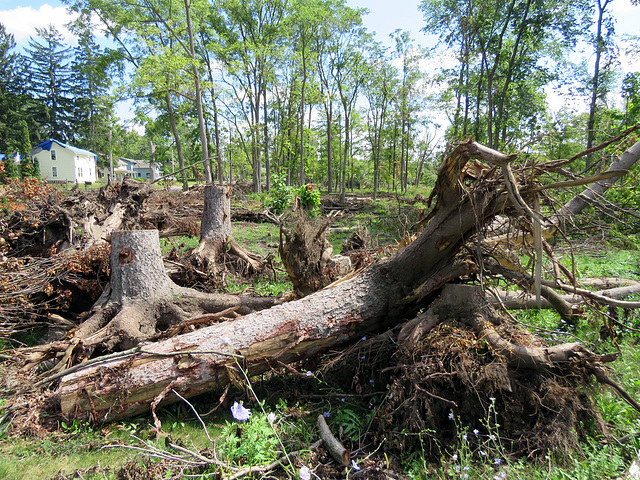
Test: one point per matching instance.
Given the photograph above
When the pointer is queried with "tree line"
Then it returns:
(301, 90)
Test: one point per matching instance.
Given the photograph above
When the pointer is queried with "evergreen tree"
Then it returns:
(93, 106)
(23, 148)
(51, 80)
(9, 98)
(11, 170)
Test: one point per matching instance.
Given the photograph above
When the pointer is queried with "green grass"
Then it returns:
(182, 244)
(605, 263)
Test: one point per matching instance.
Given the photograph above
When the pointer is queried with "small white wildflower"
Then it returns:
(308, 374)
(492, 437)
(476, 431)
(454, 457)
(464, 437)
(451, 416)
(497, 461)
(305, 473)
(326, 414)
(239, 412)
(355, 466)
(364, 339)
(492, 399)
(272, 417)
(483, 453)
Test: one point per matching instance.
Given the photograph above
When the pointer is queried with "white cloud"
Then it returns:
(22, 21)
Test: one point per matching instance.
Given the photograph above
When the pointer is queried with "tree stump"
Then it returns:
(216, 235)
(141, 301)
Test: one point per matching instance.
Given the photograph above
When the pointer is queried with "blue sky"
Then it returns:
(21, 17)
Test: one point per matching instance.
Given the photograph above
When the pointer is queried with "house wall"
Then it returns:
(69, 165)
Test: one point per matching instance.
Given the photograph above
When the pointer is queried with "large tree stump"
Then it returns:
(141, 301)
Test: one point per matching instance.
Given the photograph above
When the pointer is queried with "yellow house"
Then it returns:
(60, 162)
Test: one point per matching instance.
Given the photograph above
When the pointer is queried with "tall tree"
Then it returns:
(93, 68)
(504, 63)
(340, 20)
(409, 99)
(251, 41)
(603, 47)
(9, 97)
(52, 80)
(378, 90)
(350, 47)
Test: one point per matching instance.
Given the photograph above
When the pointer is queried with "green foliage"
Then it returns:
(248, 443)
(182, 244)
(309, 198)
(280, 195)
(351, 421)
(9, 170)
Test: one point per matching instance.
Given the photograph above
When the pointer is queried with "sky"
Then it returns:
(21, 17)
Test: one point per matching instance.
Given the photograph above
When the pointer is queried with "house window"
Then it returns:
(89, 171)
(148, 175)
(53, 154)
(79, 172)
(54, 171)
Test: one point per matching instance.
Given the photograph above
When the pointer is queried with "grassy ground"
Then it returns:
(109, 451)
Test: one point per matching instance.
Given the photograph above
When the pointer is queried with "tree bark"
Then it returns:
(215, 229)
(593, 193)
(215, 232)
(141, 301)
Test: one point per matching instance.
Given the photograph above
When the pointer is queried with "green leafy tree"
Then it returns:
(603, 65)
(93, 105)
(631, 96)
(251, 40)
(11, 169)
(506, 53)
(16, 105)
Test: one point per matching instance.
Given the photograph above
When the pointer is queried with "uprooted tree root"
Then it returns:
(445, 379)
(453, 371)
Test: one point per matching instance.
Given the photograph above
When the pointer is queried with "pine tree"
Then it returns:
(93, 106)
(8, 100)
(24, 147)
(51, 80)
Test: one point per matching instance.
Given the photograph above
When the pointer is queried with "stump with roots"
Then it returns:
(141, 301)
(215, 234)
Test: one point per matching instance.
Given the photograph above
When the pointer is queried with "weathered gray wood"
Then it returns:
(141, 300)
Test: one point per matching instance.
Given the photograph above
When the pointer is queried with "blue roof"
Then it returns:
(46, 145)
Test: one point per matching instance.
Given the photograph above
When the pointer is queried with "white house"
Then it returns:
(60, 162)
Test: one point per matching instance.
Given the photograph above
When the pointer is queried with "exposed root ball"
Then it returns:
(451, 383)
